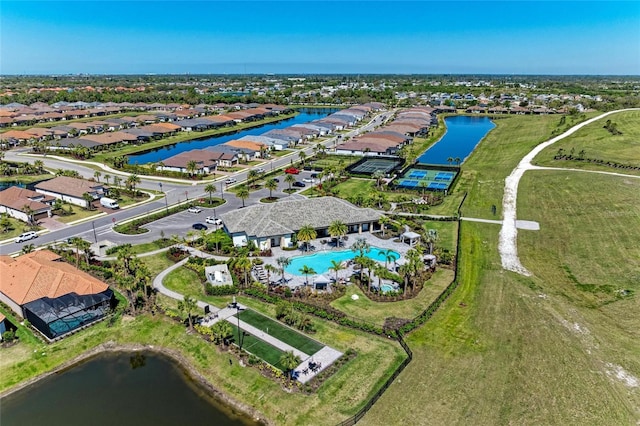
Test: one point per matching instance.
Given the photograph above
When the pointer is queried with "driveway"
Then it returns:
(51, 223)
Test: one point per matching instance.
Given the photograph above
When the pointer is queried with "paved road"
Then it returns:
(100, 228)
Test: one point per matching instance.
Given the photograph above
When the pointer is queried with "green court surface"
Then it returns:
(281, 332)
(438, 180)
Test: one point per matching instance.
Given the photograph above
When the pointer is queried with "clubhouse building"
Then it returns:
(274, 225)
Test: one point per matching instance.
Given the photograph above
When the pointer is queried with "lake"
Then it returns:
(160, 154)
(122, 388)
(462, 136)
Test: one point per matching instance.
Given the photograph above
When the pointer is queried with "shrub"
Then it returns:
(9, 336)
(220, 290)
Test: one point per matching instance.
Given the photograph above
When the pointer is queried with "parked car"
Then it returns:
(230, 181)
(299, 184)
(194, 209)
(308, 180)
(292, 171)
(26, 236)
(199, 226)
(277, 180)
(314, 175)
(214, 220)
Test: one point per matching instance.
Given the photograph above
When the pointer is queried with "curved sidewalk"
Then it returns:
(325, 356)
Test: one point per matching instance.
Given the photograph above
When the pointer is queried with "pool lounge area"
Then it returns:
(296, 280)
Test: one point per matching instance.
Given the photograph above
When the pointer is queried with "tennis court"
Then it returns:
(435, 180)
(368, 166)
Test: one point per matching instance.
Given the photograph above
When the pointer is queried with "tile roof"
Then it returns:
(70, 186)
(17, 198)
(286, 217)
(41, 274)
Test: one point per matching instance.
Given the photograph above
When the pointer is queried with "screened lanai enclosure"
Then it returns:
(59, 316)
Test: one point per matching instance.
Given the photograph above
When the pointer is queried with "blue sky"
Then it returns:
(504, 37)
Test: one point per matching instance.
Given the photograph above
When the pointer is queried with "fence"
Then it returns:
(361, 413)
(418, 320)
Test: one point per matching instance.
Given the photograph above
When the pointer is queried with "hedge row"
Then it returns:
(326, 313)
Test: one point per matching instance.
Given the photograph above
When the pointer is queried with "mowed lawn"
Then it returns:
(259, 348)
(376, 312)
(497, 155)
(508, 349)
(598, 143)
(281, 332)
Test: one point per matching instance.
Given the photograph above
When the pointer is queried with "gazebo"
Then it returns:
(321, 282)
(413, 238)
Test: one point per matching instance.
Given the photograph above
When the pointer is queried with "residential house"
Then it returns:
(55, 297)
(72, 190)
(25, 204)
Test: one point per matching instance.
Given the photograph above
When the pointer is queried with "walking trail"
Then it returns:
(508, 242)
(322, 359)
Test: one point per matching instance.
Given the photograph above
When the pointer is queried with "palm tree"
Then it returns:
(132, 181)
(192, 166)
(289, 362)
(28, 248)
(306, 234)
(270, 269)
(303, 157)
(389, 256)
(242, 193)
(106, 178)
(252, 176)
(283, 262)
(361, 246)
(450, 160)
(336, 267)
(337, 229)
(431, 237)
(88, 199)
(244, 265)
(378, 175)
(210, 188)
(187, 306)
(97, 175)
(289, 179)
(29, 212)
(306, 271)
(457, 160)
(271, 185)
(221, 332)
(116, 180)
(39, 165)
(384, 221)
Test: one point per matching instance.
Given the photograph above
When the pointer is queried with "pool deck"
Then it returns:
(295, 281)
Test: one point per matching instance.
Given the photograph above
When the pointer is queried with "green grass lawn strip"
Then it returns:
(281, 332)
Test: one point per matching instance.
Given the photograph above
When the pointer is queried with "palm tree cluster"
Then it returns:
(134, 277)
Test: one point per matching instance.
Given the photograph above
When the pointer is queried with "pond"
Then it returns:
(160, 154)
(120, 388)
(462, 136)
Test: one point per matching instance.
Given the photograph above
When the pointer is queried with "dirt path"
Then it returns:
(508, 242)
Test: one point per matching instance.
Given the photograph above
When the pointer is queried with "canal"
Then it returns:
(160, 154)
(462, 136)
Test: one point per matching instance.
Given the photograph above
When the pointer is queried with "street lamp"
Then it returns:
(240, 332)
(166, 202)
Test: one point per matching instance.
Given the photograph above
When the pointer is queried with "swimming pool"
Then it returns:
(385, 288)
(321, 262)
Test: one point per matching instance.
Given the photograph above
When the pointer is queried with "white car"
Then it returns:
(26, 236)
(259, 170)
(230, 181)
(194, 210)
(214, 220)
(308, 180)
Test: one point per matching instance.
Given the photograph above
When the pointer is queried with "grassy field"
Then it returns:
(339, 397)
(376, 312)
(598, 143)
(560, 347)
(16, 228)
(26, 179)
(281, 332)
